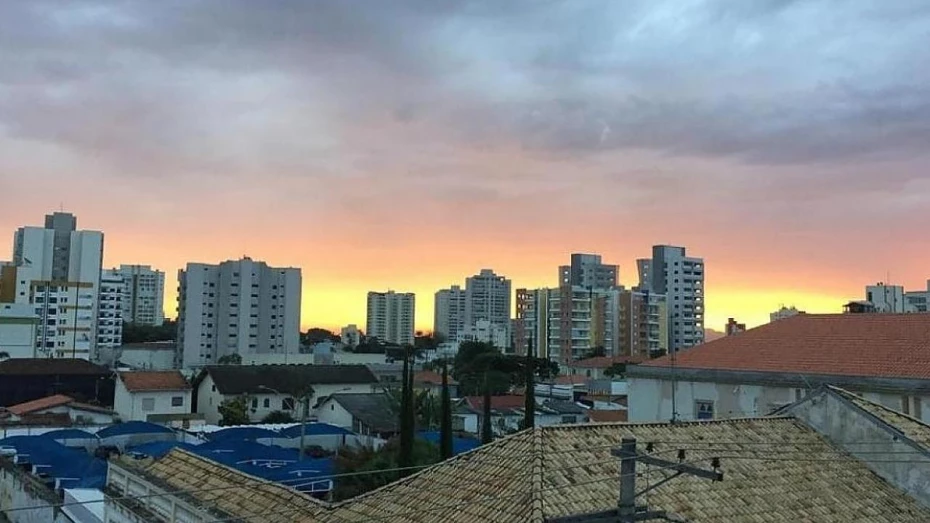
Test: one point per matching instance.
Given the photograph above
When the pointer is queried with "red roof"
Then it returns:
(154, 380)
(428, 377)
(602, 362)
(569, 379)
(40, 404)
(874, 345)
(606, 415)
(508, 402)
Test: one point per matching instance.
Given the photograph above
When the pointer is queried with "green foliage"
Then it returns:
(357, 461)
(445, 428)
(487, 434)
(407, 414)
(234, 411)
(230, 359)
(428, 341)
(615, 370)
(478, 363)
(596, 352)
(316, 335)
(278, 416)
(529, 406)
(135, 333)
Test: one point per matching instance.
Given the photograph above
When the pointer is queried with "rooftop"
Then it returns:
(168, 380)
(429, 377)
(601, 362)
(291, 379)
(869, 345)
(40, 404)
(51, 366)
(374, 410)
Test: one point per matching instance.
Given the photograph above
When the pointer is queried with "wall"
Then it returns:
(18, 324)
(123, 483)
(651, 399)
(151, 359)
(19, 489)
(129, 404)
(333, 413)
(843, 422)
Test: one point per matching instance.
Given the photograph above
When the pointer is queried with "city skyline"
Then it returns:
(777, 140)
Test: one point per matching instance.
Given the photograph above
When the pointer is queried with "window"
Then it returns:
(917, 408)
(177, 401)
(254, 403)
(906, 405)
(266, 403)
(703, 409)
(287, 404)
(148, 404)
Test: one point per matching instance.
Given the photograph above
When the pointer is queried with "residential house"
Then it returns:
(884, 357)
(365, 414)
(27, 379)
(431, 381)
(271, 388)
(799, 466)
(507, 413)
(55, 411)
(140, 395)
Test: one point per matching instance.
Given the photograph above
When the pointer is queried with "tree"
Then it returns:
(230, 359)
(316, 335)
(596, 352)
(445, 428)
(615, 370)
(428, 341)
(137, 333)
(487, 435)
(478, 363)
(363, 469)
(529, 406)
(278, 416)
(4, 355)
(234, 411)
(407, 422)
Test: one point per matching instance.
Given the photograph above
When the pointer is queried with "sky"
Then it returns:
(408, 144)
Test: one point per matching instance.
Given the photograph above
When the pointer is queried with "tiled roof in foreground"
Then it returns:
(912, 428)
(775, 470)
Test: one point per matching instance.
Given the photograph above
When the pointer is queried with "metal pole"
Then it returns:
(303, 426)
(627, 510)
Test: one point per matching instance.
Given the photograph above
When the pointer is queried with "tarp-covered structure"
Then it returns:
(71, 468)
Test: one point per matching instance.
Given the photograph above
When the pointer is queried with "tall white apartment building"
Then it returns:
(680, 277)
(449, 312)
(239, 307)
(110, 311)
(587, 270)
(390, 317)
(487, 297)
(56, 270)
(143, 294)
(917, 301)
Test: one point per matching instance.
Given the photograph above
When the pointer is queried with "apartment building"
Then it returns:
(886, 298)
(680, 278)
(390, 317)
(588, 270)
(643, 328)
(567, 323)
(917, 301)
(56, 270)
(449, 312)
(143, 294)
(110, 310)
(239, 307)
(487, 297)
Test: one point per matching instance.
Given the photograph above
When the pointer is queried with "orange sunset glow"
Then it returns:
(375, 162)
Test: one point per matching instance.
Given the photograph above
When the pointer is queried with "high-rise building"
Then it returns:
(143, 294)
(391, 317)
(681, 279)
(643, 328)
(237, 307)
(487, 297)
(567, 323)
(56, 269)
(449, 312)
(587, 270)
(110, 311)
(350, 336)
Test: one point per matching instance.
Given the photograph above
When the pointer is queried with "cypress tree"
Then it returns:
(445, 428)
(405, 458)
(486, 434)
(529, 406)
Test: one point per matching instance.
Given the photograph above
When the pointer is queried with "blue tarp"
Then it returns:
(157, 449)
(459, 445)
(69, 434)
(75, 469)
(242, 434)
(315, 429)
(133, 427)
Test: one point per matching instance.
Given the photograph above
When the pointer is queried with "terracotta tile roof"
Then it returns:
(54, 366)
(872, 345)
(601, 416)
(149, 380)
(911, 427)
(429, 377)
(292, 379)
(40, 404)
(570, 379)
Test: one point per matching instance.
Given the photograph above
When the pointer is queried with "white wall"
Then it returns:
(151, 359)
(18, 324)
(333, 413)
(351, 358)
(651, 400)
(129, 405)
(15, 492)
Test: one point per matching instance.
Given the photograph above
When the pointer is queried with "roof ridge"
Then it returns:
(537, 470)
(854, 397)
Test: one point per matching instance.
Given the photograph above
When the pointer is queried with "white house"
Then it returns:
(272, 388)
(54, 411)
(885, 358)
(142, 395)
(507, 414)
(364, 414)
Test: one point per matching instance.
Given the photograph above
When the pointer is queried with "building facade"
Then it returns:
(784, 312)
(680, 277)
(449, 312)
(110, 311)
(487, 297)
(567, 323)
(587, 270)
(886, 298)
(143, 294)
(390, 317)
(56, 269)
(237, 307)
(643, 331)
(18, 326)
(350, 336)
(917, 301)
(486, 332)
